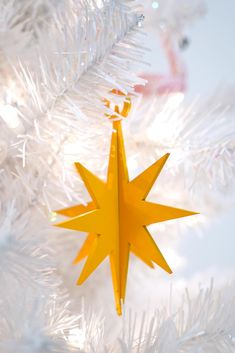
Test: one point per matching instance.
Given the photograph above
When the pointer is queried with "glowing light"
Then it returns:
(53, 216)
(160, 129)
(133, 165)
(9, 114)
(173, 258)
(70, 152)
(155, 5)
(77, 338)
(176, 99)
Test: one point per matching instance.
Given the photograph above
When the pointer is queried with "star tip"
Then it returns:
(75, 262)
(60, 212)
(119, 303)
(77, 164)
(167, 269)
(164, 158)
(194, 213)
(79, 167)
(151, 265)
(190, 213)
(77, 259)
(79, 282)
(59, 225)
(119, 310)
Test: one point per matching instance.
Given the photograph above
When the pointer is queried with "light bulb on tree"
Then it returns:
(10, 116)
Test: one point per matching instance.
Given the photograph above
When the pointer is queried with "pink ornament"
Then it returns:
(174, 82)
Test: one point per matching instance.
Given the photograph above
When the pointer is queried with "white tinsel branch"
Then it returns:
(78, 65)
(201, 324)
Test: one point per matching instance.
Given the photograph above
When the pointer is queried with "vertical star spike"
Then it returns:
(118, 177)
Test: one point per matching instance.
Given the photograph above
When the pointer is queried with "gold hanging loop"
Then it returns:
(126, 105)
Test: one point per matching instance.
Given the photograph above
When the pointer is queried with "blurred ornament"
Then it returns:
(184, 43)
(175, 81)
(168, 19)
(158, 85)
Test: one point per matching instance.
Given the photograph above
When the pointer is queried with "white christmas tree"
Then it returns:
(59, 60)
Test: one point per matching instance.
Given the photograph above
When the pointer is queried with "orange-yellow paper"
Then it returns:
(118, 216)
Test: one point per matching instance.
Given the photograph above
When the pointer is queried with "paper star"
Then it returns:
(118, 217)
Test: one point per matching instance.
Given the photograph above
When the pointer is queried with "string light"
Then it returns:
(176, 99)
(155, 5)
(53, 216)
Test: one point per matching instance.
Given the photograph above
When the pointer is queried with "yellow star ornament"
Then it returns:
(118, 217)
